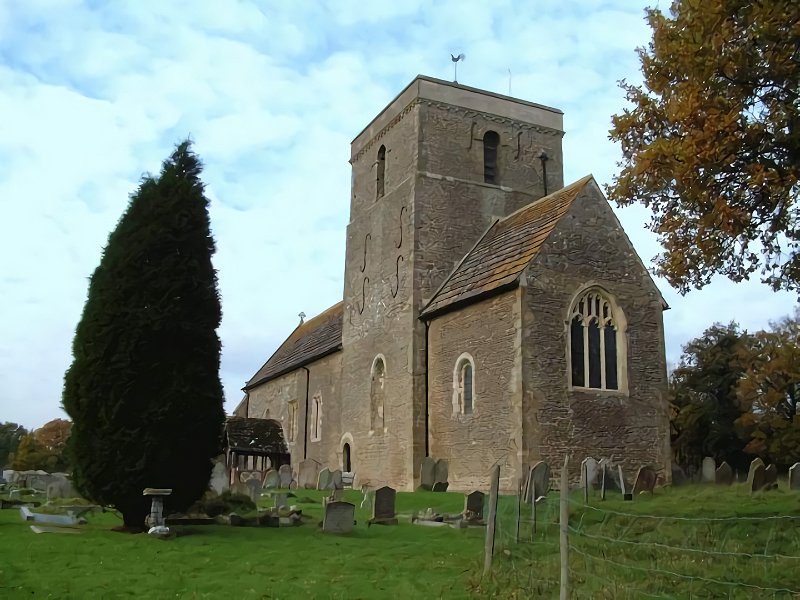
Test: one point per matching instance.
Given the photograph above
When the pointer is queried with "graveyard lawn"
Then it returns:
(216, 561)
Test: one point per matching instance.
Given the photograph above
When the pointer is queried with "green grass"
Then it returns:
(405, 561)
(408, 561)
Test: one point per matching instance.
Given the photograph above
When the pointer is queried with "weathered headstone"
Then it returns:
(307, 471)
(770, 477)
(757, 476)
(279, 500)
(219, 478)
(336, 480)
(383, 511)
(794, 476)
(473, 504)
(427, 473)
(538, 481)
(284, 476)
(645, 481)
(253, 489)
(272, 480)
(623, 485)
(441, 471)
(678, 475)
(756, 462)
(708, 469)
(339, 517)
(61, 488)
(589, 472)
(244, 476)
(440, 486)
(724, 474)
(324, 479)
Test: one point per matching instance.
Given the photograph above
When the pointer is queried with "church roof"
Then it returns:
(499, 257)
(311, 340)
(255, 436)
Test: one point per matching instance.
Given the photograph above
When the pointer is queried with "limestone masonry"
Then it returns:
(490, 314)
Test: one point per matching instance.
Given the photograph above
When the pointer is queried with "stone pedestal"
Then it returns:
(156, 517)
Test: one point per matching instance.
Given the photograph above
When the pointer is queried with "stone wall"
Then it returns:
(490, 332)
(271, 400)
(589, 247)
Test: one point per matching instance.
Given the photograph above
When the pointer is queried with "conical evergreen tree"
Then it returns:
(143, 390)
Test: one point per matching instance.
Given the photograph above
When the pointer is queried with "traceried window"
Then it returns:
(464, 385)
(491, 141)
(594, 345)
(377, 394)
(316, 417)
(381, 172)
(291, 432)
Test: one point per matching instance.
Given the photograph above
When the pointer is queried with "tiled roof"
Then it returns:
(311, 340)
(504, 251)
(262, 436)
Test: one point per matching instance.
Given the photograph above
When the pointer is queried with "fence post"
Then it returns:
(519, 510)
(488, 549)
(564, 537)
(585, 475)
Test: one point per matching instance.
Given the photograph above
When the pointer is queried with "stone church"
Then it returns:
(490, 314)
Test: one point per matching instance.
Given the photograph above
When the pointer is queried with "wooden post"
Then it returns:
(564, 524)
(603, 485)
(488, 549)
(520, 500)
(585, 472)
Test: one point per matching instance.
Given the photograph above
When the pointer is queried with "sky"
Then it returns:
(95, 94)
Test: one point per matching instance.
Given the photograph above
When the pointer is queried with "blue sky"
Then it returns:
(94, 94)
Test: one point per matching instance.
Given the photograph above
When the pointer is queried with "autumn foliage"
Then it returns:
(711, 144)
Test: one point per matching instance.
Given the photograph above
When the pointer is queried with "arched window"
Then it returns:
(491, 141)
(594, 345)
(381, 171)
(464, 385)
(346, 464)
(377, 394)
(292, 425)
(316, 417)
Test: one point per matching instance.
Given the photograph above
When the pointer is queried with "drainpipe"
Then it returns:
(305, 415)
(427, 415)
(543, 158)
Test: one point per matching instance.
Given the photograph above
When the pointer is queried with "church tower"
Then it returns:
(429, 175)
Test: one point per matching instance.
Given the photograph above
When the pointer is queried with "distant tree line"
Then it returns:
(43, 448)
(734, 395)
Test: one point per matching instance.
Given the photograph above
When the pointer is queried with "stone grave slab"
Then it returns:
(708, 470)
(284, 476)
(272, 480)
(794, 476)
(539, 483)
(590, 470)
(324, 479)
(337, 482)
(757, 477)
(770, 477)
(724, 474)
(440, 486)
(427, 473)
(254, 489)
(473, 505)
(307, 473)
(645, 481)
(383, 511)
(441, 471)
(44, 529)
(678, 475)
(756, 462)
(339, 517)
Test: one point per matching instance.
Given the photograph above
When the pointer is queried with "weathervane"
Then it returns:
(455, 60)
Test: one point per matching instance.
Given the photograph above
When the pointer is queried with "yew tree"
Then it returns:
(143, 390)
(711, 143)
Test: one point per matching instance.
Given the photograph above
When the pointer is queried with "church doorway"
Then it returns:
(346, 466)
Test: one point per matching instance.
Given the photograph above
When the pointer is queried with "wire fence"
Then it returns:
(693, 542)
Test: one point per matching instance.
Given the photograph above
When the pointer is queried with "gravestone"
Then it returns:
(324, 479)
(589, 472)
(427, 473)
(440, 486)
(757, 477)
(219, 478)
(770, 477)
(307, 472)
(244, 476)
(272, 480)
(473, 504)
(645, 481)
(339, 517)
(383, 512)
(253, 489)
(794, 476)
(623, 485)
(61, 488)
(678, 475)
(708, 470)
(724, 474)
(284, 476)
(756, 462)
(538, 481)
(279, 500)
(336, 480)
(441, 471)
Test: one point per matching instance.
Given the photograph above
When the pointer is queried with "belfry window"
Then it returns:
(377, 394)
(491, 141)
(593, 342)
(381, 169)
